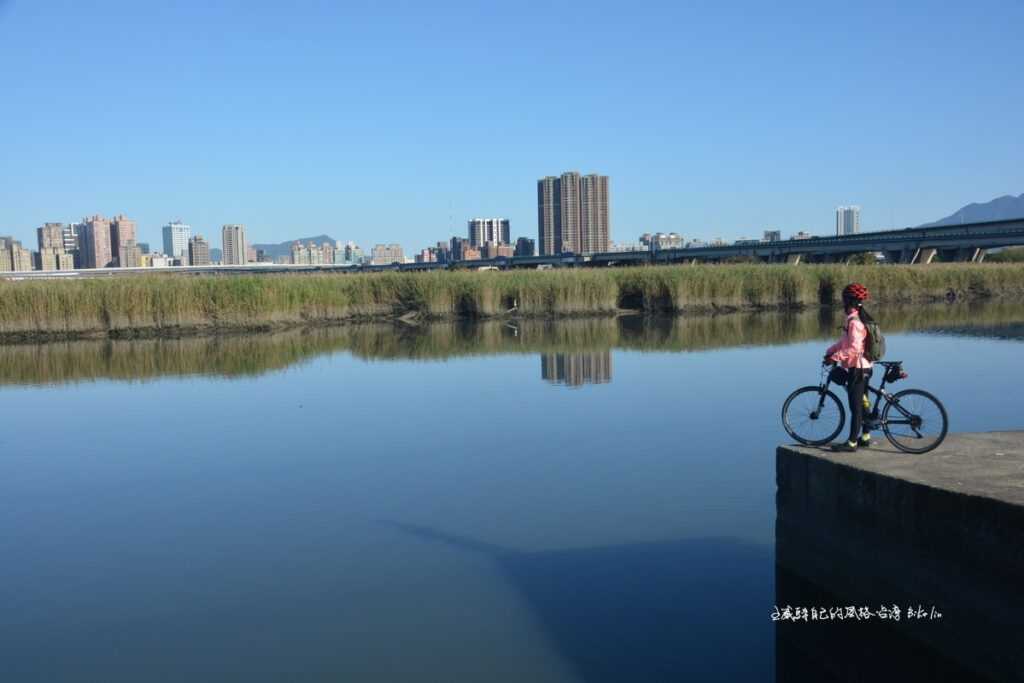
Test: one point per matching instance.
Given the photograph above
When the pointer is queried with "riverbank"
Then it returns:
(163, 305)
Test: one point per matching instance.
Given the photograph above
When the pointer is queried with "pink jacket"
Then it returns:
(849, 350)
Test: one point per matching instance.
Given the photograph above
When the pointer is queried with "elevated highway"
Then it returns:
(965, 243)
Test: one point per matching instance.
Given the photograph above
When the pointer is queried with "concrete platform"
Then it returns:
(878, 526)
(988, 464)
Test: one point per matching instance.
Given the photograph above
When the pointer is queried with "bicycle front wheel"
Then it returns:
(914, 421)
(813, 417)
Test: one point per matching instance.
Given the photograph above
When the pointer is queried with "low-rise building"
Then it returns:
(662, 240)
(492, 250)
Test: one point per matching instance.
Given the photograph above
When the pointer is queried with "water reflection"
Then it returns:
(567, 347)
(576, 369)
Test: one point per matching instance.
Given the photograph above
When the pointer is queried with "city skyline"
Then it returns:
(668, 116)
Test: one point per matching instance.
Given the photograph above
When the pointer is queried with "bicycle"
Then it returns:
(913, 420)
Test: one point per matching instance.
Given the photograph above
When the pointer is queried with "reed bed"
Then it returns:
(168, 304)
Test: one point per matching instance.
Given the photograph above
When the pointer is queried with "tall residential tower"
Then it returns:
(847, 220)
(122, 231)
(572, 214)
(493, 230)
(233, 243)
(94, 242)
(176, 236)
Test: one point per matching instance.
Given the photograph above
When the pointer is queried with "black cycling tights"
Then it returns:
(856, 385)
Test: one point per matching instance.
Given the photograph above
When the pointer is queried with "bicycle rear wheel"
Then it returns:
(813, 417)
(914, 421)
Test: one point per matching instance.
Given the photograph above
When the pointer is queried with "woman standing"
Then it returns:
(848, 352)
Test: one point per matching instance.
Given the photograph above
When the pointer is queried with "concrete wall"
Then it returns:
(869, 539)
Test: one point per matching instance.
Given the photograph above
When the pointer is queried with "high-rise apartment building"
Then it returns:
(52, 254)
(456, 248)
(313, 254)
(549, 221)
(443, 252)
(5, 254)
(198, 251)
(593, 214)
(50, 236)
(130, 255)
(572, 214)
(847, 220)
(525, 247)
(354, 253)
(386, 254)
(53, 259)
(233, 245)
(70, 234)
(14, 257)
(122, 231)
(489, 230)
(176, 238)
(94, 242)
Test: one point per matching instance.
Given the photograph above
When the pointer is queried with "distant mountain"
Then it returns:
(285, 248)
(1000, 208)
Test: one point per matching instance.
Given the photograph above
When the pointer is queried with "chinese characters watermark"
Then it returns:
(852, 613)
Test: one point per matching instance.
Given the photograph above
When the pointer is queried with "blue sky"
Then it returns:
(398, 121)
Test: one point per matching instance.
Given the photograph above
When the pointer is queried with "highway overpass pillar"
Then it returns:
(794, 259)
(925, 256)
(971, 254)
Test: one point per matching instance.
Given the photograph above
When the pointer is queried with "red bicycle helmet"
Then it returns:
(856, 292)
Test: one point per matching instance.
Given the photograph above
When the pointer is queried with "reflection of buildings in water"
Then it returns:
(577, 369)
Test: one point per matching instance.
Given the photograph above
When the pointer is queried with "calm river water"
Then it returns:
(578, 501)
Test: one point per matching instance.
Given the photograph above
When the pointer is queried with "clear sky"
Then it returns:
(399, 121)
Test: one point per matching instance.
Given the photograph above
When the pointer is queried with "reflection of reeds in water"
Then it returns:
(241, 355)
(576, 369)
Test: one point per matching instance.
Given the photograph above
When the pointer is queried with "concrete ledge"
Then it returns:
(944, 528)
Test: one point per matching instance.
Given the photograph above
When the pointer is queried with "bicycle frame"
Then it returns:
(873, 419)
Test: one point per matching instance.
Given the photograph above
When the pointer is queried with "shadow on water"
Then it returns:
(661, 611)
(232, 356)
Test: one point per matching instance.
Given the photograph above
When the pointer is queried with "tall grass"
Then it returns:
(161, 304)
